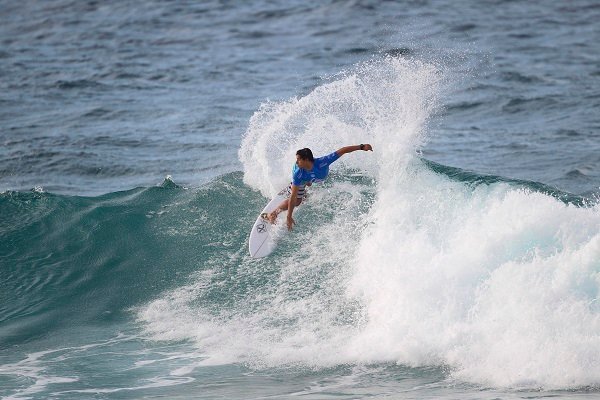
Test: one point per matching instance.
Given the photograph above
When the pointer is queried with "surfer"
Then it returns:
(307, 170)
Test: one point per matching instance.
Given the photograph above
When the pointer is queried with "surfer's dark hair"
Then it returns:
(305, 154)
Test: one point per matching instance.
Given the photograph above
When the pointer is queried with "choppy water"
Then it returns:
(461, 259)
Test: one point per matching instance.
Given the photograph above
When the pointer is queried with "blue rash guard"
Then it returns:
(320, 170)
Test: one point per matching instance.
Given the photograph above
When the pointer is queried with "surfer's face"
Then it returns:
(302, 163)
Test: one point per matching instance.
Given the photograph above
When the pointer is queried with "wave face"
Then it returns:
(70, 261)
(397, 259)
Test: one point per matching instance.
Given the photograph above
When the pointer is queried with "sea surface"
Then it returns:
(458, 260)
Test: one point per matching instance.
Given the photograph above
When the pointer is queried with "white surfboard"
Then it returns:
(264, 235)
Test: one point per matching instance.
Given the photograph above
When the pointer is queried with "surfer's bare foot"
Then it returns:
(271, 217)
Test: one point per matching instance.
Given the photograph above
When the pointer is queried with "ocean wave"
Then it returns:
(493, 279)
(411, 262)
(395, 259)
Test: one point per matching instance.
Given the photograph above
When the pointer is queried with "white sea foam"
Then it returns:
(380, 102)
(498, 283)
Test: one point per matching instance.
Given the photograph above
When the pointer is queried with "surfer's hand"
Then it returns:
(290, 222)
(367, 147)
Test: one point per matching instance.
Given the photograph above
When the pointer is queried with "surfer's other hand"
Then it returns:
(290, 222)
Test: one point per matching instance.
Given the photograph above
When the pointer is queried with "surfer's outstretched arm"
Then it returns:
(350, 149)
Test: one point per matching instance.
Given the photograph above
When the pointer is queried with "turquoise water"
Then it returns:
(460, 259)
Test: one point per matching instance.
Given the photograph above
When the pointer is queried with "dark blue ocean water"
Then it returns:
(139, 140)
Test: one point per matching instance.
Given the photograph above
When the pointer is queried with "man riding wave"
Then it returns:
(307, 170)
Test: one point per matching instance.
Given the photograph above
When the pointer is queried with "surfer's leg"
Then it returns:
(272, 217)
